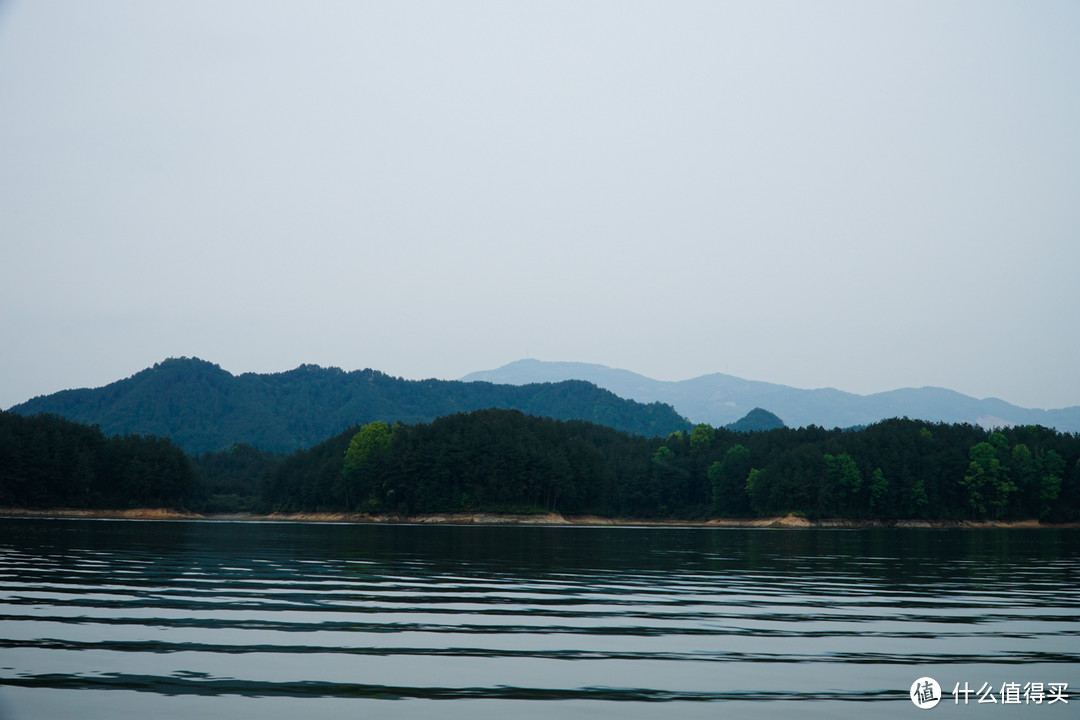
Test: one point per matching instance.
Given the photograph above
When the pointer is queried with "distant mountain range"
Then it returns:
(202, 407)
(722, 399)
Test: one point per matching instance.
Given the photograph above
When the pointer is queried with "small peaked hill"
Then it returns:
(202, 407)
(756, 420)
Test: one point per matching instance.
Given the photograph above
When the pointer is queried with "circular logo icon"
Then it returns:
(925, 693)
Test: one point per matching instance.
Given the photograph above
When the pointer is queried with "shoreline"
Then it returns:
(546, 519)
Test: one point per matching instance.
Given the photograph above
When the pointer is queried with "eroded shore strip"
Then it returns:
(788, 521)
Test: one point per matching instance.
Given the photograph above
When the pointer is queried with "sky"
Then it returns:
(864, 195)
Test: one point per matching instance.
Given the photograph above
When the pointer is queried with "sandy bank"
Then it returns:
(133, 514)
(787, 521)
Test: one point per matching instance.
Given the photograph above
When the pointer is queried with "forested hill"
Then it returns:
(504, 461)
(48, 462)
(202, 407)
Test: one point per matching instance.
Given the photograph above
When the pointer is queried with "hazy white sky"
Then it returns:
(864, 195)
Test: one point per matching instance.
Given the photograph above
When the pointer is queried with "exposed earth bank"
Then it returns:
(787, 521)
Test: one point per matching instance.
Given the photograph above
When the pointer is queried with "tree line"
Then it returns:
(507, 461)
(48, 462)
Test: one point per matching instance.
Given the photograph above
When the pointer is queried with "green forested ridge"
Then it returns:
(203, 408)
(506, 461)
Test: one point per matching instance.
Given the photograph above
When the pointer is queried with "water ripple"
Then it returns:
(213, 610)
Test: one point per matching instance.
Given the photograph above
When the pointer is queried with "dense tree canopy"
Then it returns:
(46, 461)
(232, 479)
(507, 461)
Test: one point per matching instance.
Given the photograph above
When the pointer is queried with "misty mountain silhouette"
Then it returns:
(720, 399)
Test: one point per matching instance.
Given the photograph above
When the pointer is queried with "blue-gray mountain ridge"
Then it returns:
(720, 399)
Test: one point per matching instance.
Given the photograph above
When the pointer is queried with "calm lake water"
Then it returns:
(129, 619)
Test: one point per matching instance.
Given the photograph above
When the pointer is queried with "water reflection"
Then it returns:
(154, 615)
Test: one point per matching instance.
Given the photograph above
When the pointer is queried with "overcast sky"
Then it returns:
(863, 195)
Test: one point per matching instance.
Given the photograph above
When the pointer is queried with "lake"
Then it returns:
(183, 619)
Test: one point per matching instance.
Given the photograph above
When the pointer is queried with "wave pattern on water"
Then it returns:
(575, 614)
